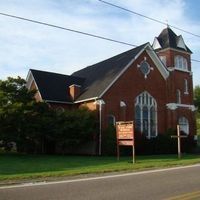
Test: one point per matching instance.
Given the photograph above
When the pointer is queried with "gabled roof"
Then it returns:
(168, 39)
(94, 80)
(53, 86)
(99, 76)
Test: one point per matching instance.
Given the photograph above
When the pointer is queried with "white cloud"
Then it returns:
(26, 45)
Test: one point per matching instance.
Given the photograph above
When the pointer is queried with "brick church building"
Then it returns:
(150, 84)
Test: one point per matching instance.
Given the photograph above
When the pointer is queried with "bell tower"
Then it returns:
(168, 45)
(176, 57)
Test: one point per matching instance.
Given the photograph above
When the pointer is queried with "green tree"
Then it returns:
(197, 97)
(23, 121)
(14, 100)
(34, 126)
(197, 104)
(75, 127)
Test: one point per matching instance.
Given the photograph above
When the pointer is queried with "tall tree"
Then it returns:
(15, 99)
(197, 97)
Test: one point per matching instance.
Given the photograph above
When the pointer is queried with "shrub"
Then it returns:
(109, 143)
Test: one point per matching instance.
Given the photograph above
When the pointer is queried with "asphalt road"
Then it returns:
(151, 185)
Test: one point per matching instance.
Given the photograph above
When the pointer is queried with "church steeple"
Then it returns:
(172, 50)
(168, 39)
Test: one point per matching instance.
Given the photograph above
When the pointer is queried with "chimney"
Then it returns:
(74, 91)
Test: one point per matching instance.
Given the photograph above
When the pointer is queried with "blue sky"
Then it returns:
(25, 45)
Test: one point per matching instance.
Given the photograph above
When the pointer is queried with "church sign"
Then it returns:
(125, 136)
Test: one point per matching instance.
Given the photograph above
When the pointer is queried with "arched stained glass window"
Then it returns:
(146, 115)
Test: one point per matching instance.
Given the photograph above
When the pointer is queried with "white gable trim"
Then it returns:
(153, 56)
(156, 44)
(29, 80)
(61, 102)
(125, 68)
(159, 64)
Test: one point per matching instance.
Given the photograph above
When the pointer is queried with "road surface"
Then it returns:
(169, 184)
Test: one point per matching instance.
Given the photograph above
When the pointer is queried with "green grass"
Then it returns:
(20, 167)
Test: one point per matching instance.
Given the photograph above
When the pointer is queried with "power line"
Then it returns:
(195, 60)
(149, 18)
(68, 29)
(72, 30)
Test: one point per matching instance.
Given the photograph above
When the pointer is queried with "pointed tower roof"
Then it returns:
(168, 39)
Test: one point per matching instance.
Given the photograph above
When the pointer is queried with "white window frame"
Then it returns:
(178, 96)
(145, 100)
(186, 86)
(180, 63)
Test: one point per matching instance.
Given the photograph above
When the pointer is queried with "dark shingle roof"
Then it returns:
(99, 76)
(93, 79)
(53, 86)
(168, 38)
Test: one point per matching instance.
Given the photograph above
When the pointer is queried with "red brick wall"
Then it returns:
(176, 82)
(170, 54)
(130, 85)
(176, 79)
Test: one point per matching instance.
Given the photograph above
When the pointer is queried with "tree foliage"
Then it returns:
(197, 97)
(34, 126)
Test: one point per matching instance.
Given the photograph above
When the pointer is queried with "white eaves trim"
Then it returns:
(62, 102)
(84, 100)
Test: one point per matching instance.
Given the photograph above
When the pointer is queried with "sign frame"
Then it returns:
(125, 136)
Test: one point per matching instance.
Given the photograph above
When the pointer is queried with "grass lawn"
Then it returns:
(20, 167)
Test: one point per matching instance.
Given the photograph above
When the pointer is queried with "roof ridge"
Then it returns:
(48, 72)
(110, 58)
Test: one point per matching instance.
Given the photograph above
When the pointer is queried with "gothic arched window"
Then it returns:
(146, 115)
